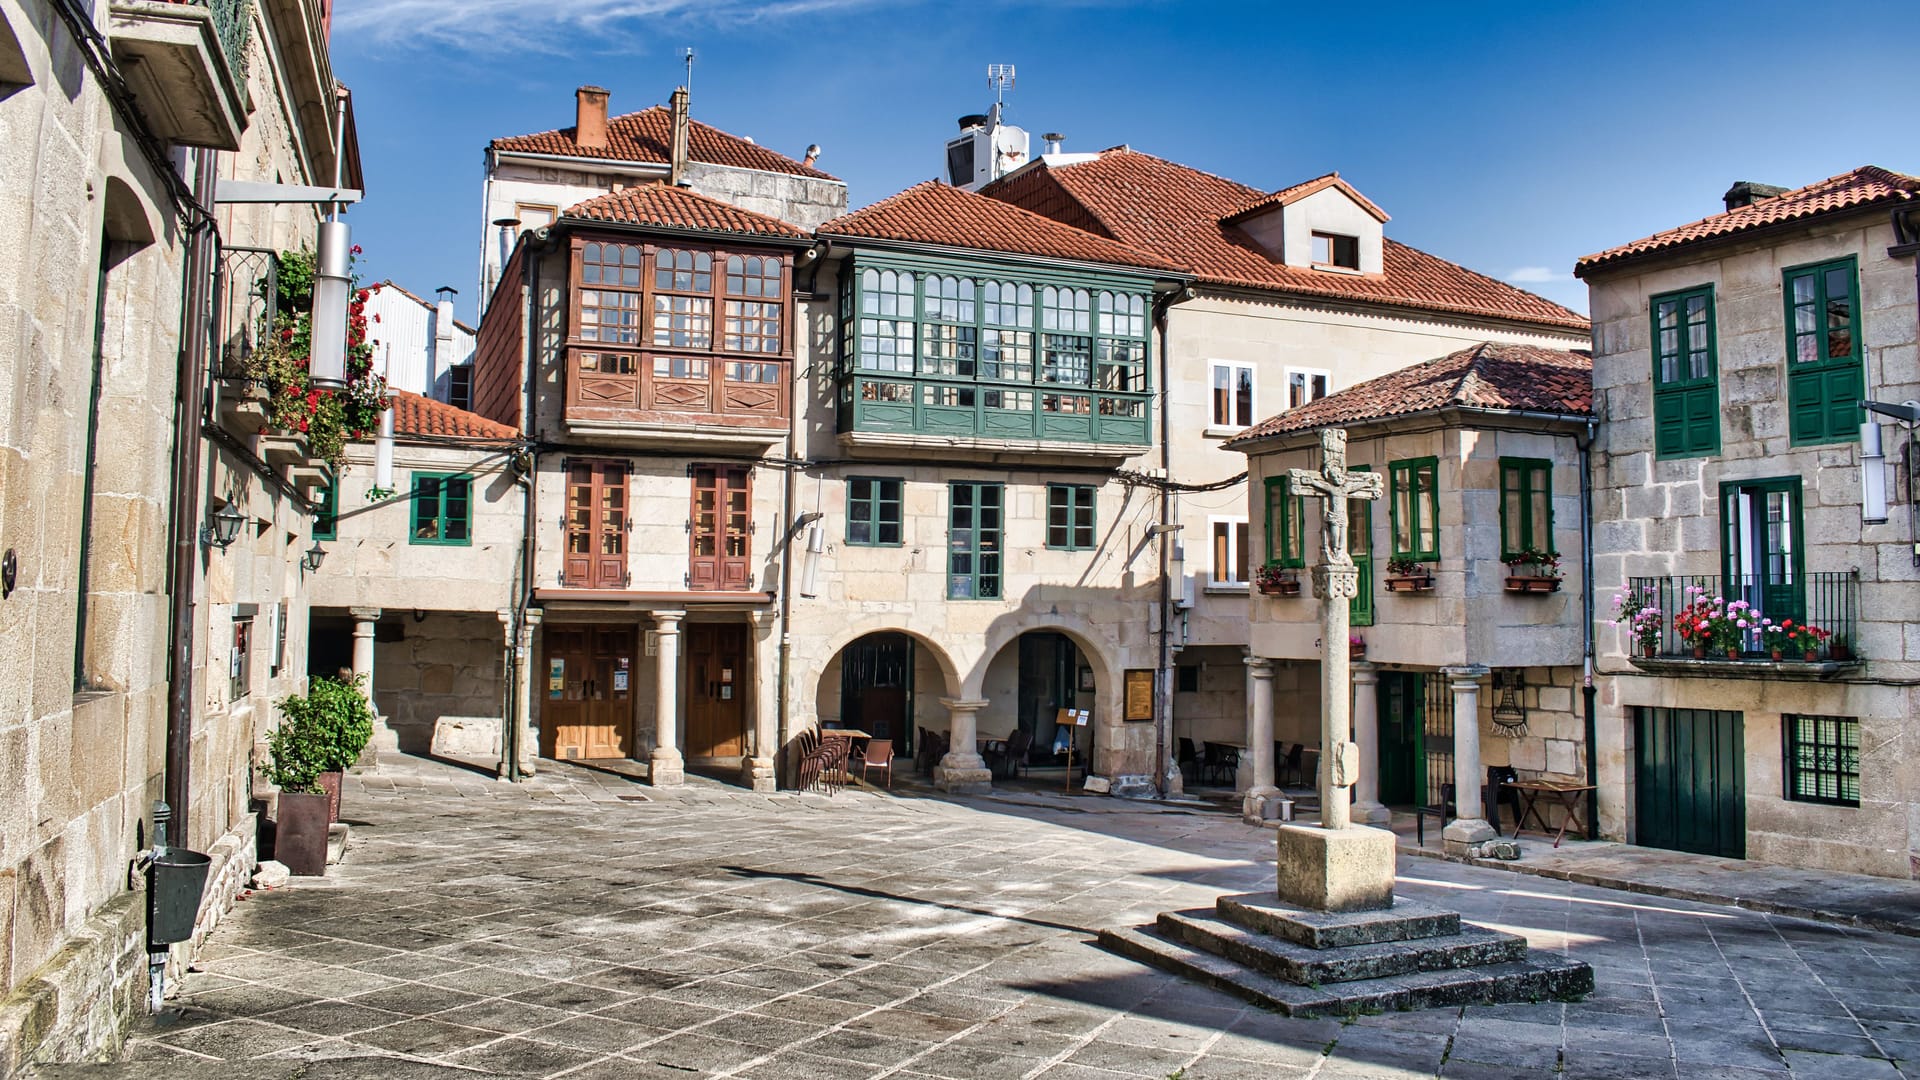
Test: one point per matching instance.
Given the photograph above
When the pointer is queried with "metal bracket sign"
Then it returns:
(259, 191)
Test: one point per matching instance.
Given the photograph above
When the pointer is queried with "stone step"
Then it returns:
(1537, 978)
(1405, 921)
(1471, 947)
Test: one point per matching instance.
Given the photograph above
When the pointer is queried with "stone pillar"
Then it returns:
(384, 737)
(1469, 826)
(526, 746)
(1367, 808)
(757, 766)
(1256, 765)
(665, 766)
(963, 770)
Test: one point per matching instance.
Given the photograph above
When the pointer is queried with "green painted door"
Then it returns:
(1690, 781)
(1402, 757)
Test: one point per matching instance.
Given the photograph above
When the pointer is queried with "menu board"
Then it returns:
(1139, 700)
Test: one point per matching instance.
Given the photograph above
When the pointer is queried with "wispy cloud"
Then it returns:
(1538, 275)
(502, 25)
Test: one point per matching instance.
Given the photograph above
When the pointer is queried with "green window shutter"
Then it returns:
(326, 522)
(1415, 497)
(1686, 381)
(1526, 506)
(1360, 546)
(1285, 545)
(1825, 373)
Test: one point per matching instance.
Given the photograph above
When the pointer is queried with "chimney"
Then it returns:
(813, 155)
(590, 117)
(1746, 193)
(440, 357)
(1054, 139)
(677, 150)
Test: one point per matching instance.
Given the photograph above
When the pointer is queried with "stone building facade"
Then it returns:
(121, 699)
(1469, 653)
(1729, 359)
(1296, 294)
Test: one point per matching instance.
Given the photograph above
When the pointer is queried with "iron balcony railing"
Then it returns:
(1828, 602)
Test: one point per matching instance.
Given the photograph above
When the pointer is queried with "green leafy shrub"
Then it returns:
(335, 716)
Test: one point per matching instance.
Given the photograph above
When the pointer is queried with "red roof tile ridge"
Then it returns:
(1793, 205)
(416, 414)
(630, 126)
(629, 198)
(1128, 151)
(1296, 192)
(1098, 249)
(1574, 318)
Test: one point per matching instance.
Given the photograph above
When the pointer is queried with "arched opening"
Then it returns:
(1040, 689)
(887, 684)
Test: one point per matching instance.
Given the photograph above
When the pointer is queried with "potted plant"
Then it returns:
(1641, 616)
(339, 721)
(296, 755)
(1356, 647)
(312, 421)
(1693, 623)
(1533, 570)
(1804, 640)
(1730, 625)
(1276, 580)
(1839, 648)
(1774, 637)
(1408, 575)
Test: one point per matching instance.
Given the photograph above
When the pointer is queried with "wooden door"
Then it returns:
(718, 683)
(1401, 696)
(588, 712)
(1690, 781)
(597, 521)
(721, 528)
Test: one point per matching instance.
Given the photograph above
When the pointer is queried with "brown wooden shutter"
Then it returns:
(578, 569)
(721, 549)
(597, 517)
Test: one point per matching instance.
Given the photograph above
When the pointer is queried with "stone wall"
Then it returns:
(442, 665)
(1662, 517)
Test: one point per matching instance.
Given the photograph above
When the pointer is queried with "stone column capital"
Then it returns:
(667, 622)
(1260, 667)
(364, 614)
(1464, 675)
(1363, 673)
(971, 705)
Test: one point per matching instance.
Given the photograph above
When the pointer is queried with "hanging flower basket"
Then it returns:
(1532, 583)
(1273, 580)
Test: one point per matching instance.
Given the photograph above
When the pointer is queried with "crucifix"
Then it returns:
(1335, 581)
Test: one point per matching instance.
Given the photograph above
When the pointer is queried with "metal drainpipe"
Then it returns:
(184, 528)
(782, 698)
(1588, 692)
(529, 536)
(1163, 673)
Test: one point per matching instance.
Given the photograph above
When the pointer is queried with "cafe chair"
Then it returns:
(1294, 765)
(879, 755)
(1188, 759)
(1006, 758)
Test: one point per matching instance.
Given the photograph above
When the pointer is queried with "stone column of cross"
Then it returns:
(1335, 581)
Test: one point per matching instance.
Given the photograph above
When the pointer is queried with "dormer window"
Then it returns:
(1332, 249)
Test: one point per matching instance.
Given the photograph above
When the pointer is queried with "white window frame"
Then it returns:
(1214, 426)
(1240, 543)
(1287, 386)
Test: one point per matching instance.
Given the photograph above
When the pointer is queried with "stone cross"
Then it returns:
(1335, 581)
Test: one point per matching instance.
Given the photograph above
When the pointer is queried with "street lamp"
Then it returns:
(223, 526)
(314, 557)
(328, 370)
(1873, 460)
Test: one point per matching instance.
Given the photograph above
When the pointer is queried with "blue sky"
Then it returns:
(1511, 138)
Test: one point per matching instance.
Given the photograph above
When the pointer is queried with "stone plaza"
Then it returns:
(581, 925)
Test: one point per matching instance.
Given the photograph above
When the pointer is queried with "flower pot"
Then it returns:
(1733, 653)
(1812, 656)
(1356, 653)
(1777, 656)
(300, 833)
(1279, 588)
(330, 783)
(1410, 583)
(1840, 652)
(1699, 652)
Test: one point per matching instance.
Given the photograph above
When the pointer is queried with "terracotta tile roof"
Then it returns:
(416, 415)
(1490, 375)
(1300, 191)
(643, 136)
(1864, 186)
(662, 206)
(935, 213)
(1176, 213)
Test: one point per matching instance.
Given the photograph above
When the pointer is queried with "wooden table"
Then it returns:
(1566, 793)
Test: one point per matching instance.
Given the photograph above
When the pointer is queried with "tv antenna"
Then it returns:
(999, 80)
(689, 59)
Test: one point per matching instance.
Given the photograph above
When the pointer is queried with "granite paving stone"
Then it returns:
(561, 928)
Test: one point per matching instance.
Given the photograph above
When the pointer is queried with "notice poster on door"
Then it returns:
(620, 676)
(1081, 717)
(556, 677)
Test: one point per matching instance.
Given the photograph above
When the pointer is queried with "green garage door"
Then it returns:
(1690, 781)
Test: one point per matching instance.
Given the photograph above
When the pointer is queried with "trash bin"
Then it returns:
(174, 886)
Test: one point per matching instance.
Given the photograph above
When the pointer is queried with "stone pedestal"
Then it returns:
(1367, 807)
(758, 770)
(963, 770)
(1348, 869)
(665, 766)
